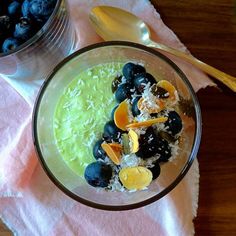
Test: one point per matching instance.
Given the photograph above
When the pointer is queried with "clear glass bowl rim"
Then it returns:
(37, 36)
(197, 138)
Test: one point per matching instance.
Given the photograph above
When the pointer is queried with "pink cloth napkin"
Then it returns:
(31, 205)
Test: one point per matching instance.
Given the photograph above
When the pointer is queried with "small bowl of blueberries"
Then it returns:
(116, 125)
(34, 36)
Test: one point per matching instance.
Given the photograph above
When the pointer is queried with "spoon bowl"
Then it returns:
(113, 23)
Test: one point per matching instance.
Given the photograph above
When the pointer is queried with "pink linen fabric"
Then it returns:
(31, 205)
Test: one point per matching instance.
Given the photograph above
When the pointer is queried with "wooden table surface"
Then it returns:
(208, 29)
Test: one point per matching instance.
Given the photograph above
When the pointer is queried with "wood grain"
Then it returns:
(4, 231)
(208, 29)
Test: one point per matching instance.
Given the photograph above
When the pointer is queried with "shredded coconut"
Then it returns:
(129, 160)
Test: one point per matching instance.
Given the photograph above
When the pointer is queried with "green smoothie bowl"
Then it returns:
(116, 125)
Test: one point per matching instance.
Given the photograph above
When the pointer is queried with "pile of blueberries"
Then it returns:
(151, 143)
(21, 19)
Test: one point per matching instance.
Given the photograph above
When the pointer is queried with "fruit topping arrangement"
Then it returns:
(22, 19)
(143, 132)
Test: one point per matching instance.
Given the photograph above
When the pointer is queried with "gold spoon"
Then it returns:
(113, 23)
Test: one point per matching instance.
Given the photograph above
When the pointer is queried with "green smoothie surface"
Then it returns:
(82, 110)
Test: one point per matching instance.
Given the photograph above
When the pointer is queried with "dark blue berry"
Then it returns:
(98, 174)
(135, 110)
(10, 44)
(163, 150)
(174, 123)
(113, 112)
(25, 8)
(1, 9)
(6, 25)
(130, 70)
(24, 29)
(159, 92)
(147, 144)
(4, 5)
(115, 83)
(111, 132)
(151, 144)
(14, 9)
(1, 42)
(156, 170)
(41, 9)
(141, 80)
(123, 91)
(98, 152)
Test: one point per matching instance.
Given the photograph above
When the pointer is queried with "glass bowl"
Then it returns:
(76, 187)
(33, 60)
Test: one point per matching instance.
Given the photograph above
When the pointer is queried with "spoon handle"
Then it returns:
(226, 79)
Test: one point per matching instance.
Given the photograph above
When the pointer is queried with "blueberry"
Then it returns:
(98, 174)
(98, 152)
(41, 9)
(174, 123)
(1, 42)
(115, 83)
(147, 144)
(154, 115)
(6, 25)
(163, 150)
(4, 5)
(156, 170)
(135, 110)
(130, 70)
(111, 132)
(113, 112)
(1, 9)
(159, 92)
(123, 91)
(10, 44)
(151, 144)
(141, 80)
(14, 9)
(24, 29)
(25, 8)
